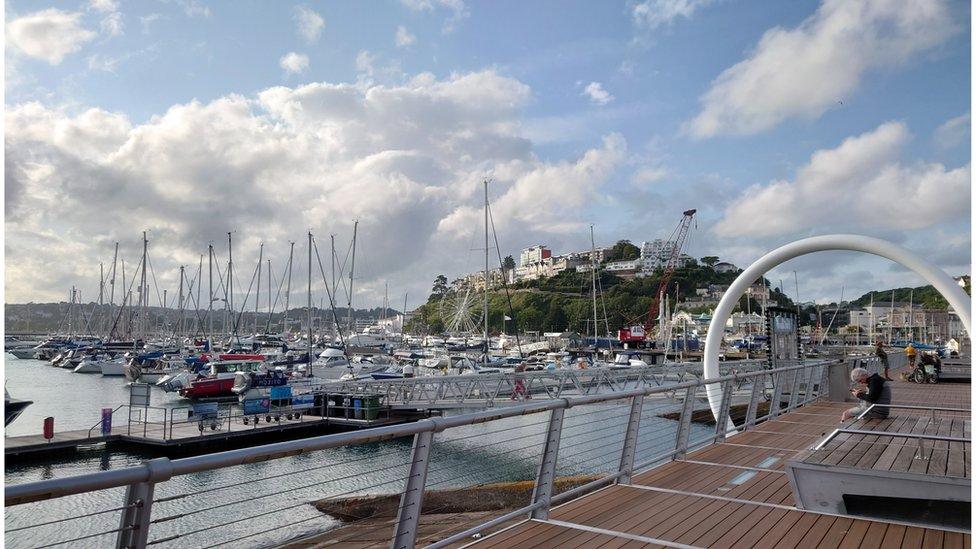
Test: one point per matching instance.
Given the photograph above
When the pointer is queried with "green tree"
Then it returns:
(623, 250)
(439, 288)
(555, 318)
(508, 263)
(710, 260)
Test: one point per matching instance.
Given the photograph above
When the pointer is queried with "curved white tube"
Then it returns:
(942, 282)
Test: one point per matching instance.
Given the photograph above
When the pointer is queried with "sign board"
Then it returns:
(257, 406)
(204, 411)
(106, 421)
(272, 379)
(139, 394)
(302, 402)
(783, 332)
(280, 393)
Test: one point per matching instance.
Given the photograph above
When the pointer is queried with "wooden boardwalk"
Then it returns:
(737, 494)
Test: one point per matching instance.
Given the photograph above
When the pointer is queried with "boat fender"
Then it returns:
(245, 420)
(267, 419)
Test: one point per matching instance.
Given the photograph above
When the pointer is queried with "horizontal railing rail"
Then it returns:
(646, 425)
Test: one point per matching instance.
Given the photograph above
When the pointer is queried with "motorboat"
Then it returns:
(219, 381)
(13, 407)
(91, 364)
(113, 367)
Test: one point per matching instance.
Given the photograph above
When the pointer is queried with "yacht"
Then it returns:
(13, 407)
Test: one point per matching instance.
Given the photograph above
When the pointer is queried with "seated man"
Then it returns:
(879, 392)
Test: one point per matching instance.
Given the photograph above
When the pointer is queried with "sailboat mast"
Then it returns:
(101, 283)
(229, 287)
(111, 291)
(593, 281)
(144, 287)
(181, 301)
(352, 269)
(270, 305)
(210, 290)
(257, 297)
(485, 310)
(309, 357)
(284, 322)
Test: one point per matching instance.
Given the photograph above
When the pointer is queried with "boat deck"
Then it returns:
(737, 493)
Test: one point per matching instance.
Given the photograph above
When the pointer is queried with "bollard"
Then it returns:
(49, 428)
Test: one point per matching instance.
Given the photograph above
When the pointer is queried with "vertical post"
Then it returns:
(547, 468)
(630, 440)
(722, 421)
(794, 390)
(824, 381)
(777, 395)
(757, 386)
(808, 391)
(684, 424)
(134, 524)
(408, 517)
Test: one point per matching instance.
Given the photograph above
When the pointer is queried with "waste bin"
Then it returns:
(357, 404)
(372, 407)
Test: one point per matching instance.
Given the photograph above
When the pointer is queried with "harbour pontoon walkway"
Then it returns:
(735, 494)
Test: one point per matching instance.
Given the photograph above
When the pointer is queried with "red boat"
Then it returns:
(219, 382)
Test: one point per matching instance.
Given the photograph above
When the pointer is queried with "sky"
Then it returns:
(192, 119)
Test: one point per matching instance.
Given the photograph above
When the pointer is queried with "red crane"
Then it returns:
(642, 333)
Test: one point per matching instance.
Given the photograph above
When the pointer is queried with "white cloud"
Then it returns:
(147, 20)
(596, 93)
(105, 6)
(651, 14)
(802, 72)
(294, 63)
(193, 8)
(49, 34)
(953, 132)
(647, 175)
(112, 25)
(860, 185)
(310, 24)
(404, 38)
(456, 7)
(404, 159)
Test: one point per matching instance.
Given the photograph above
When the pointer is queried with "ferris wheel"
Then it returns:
(461, 311)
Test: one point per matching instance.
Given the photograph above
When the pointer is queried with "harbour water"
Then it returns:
(265, 503)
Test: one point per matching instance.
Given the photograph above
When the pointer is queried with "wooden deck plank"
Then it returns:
(874, 536)
(836, 534)
(893, 536)
(797, 532)
(932, 539)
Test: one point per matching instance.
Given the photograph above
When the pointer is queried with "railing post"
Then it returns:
(777, 395)
(630, 440)
(684, 424)
(758, 384)
(546, 478)
(408, 516)
(794, 390)
(722, 422)
(824, 380)
(134, 524)
(808, 390)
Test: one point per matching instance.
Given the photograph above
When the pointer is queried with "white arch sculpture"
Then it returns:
(942, 282)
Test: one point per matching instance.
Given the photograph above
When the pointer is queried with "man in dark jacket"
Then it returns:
(880, 352)
(878, 392)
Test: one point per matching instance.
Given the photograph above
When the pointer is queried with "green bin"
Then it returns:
(372, 404)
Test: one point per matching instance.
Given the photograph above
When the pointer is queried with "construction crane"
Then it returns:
(643, 333)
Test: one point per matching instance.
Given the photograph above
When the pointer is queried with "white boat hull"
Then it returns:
(88, 367)
(112, 368)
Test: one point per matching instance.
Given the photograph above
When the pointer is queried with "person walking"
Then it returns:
(910, 353)
(883, 356)
(878, 392)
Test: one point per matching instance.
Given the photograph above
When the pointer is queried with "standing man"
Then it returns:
(880, 352)
(910, 353)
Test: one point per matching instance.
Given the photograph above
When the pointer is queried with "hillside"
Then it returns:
(564, 302)
(52, 317)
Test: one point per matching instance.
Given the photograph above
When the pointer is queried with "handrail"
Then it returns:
(52, 488)
(116, 409)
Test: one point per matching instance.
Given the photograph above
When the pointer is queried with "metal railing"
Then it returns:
(578, 443)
